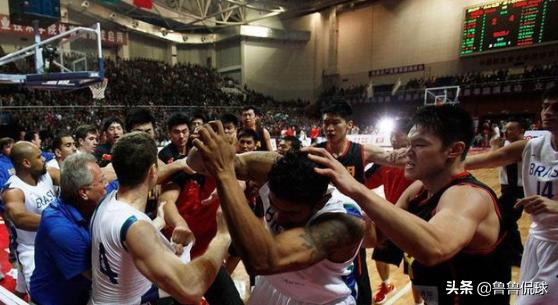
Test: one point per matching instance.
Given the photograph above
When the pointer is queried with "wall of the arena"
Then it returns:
(228, 54)
(198, 55)
(142, 46)
(389, 33)
(399, 33)
(287, 70)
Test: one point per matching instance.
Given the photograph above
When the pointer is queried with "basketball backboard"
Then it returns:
(70, 60)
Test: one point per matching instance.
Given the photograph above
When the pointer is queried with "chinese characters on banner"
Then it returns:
(109, 37)
(396, 70)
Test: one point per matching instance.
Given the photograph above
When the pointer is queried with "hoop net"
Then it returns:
(98, 89)
(441, 95)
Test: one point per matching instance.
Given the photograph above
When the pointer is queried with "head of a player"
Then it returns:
(6, 145)
(33, 137)
(178, 129)
(198, 119)
(230, 124)
(288, 144)
(514, 129)
(247, 140)
(337, 121)
(87, 138)
(63, 146)
(249, 116)
(82, 183)
(112, 129)
(26, 158)
(141, 119)
(549, 110)
(134, 158)
(296, 191)
(440, 139)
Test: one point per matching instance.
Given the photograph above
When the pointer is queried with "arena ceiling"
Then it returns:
(206, 16)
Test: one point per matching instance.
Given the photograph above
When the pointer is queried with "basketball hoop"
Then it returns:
(441, 95)
(98, 89)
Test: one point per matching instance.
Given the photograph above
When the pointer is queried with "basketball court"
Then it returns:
(494, 58)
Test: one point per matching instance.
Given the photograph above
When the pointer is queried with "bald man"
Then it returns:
(26, 194)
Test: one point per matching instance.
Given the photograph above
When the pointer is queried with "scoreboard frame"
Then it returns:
(485, 52)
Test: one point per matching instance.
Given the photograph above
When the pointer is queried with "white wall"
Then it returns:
(228, 54)
(287, 70)
(144, 47)
(398, 33)
(194, 54)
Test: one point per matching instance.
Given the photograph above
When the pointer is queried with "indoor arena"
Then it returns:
(279, 152)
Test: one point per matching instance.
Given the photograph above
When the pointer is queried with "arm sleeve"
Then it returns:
(71, 251)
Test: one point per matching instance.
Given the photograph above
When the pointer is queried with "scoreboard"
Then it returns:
(508, 24)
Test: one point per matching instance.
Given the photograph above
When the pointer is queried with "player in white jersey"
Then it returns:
(62, 146)
(540, 183)
(314, 232)
(26, 195)
(130, 263)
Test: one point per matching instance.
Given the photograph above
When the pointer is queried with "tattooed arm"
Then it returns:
(248, 166)
(334, 236)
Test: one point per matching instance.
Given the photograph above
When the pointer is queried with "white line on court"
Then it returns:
(399, 294)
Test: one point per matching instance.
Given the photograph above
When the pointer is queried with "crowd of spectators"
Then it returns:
(162, 88)
(165, 89)
(466, 79)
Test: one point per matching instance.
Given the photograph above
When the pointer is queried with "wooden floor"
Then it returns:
(403, 295)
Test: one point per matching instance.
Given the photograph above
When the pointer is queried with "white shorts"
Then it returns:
(539, 264)
(26, 259)
(265, 293)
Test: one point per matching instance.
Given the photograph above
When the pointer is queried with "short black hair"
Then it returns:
(30, 135)
(402, 125)
(295, 143)
(177, 118)
(132, 157)
(109, 121)
(83, 130)
(58, 139)
(247, 132)
(340, 108)
(551, 93)
(138, 116)
(229, 118)
(199, 115)
(5, 142)
(523, 124)
(251, 107)
(448, 122)
(293, 178)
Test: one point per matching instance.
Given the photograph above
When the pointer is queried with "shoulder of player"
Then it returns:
(333, 230)
(139, 236)
(13, 194)
(465, 196)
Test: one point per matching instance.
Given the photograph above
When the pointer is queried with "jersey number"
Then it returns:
(546, 190)
(105, 266)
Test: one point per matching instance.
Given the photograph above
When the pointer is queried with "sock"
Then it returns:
(421, 303)
(387, 282)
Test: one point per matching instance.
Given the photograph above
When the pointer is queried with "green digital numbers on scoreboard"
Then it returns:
(508, 24)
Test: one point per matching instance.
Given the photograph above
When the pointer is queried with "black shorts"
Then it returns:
(388, 253)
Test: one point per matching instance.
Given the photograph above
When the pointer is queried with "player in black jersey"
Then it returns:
(250, 120)
(452, 227)
(337, 122)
